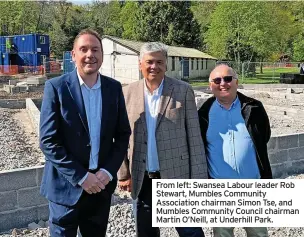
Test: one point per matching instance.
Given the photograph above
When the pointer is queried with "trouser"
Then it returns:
(143, 215)
(90, 214)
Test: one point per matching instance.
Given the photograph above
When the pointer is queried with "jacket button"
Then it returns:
(88, 144)
(146, 142)
(144, 161)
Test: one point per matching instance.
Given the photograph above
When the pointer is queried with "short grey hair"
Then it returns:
(233, 72)
(152, 47)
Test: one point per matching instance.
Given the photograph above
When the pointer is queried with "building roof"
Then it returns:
(173, 51)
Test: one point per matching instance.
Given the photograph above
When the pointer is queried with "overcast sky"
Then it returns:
(79, 2)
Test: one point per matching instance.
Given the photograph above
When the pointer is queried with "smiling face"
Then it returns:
(87, 55)
(225, 91)
(153, 66)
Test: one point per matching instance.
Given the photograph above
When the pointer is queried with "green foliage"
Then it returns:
(232, 30)
(169, 22)
(298, 48)
(18, 17)
(59, 40)
(106, 18)
(242, 31)
(202, 12)
(128, 18)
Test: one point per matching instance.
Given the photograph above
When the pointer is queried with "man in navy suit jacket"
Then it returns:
(84, 135)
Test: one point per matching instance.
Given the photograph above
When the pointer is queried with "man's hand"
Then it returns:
(103, 177)
(125, 185)
(92, 184)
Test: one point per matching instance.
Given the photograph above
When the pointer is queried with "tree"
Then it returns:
(128, 18)
(202, 12)
(247, 31)
(298, 48)
(59, 40)
(295, 46)
(67, 21)
(19, 17)
(106, 18)
(169, 22)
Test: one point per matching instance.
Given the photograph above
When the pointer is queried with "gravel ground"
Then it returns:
(267, 98)
(285, 125)
(18, 146)
(122, 224)
(24, 95)
(282, 124)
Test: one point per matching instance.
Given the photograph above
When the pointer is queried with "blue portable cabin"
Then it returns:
(25, 50)
(68, 64)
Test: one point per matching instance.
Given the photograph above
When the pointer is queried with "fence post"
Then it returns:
(273, 71)
(44, 65)
(243, 72)
(182, 68)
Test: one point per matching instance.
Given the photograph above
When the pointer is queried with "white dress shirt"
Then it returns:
(93, 106)
(151, 110)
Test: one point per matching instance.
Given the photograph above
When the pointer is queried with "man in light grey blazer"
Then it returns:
(166, 141)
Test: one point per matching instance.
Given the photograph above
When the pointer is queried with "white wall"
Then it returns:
(123, 66)
(204, 68)
(177, 72)
(108, 48)
(126, 68)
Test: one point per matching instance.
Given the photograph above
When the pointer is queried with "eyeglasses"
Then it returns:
(218, 80)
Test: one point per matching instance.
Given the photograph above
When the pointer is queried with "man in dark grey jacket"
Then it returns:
(235, 129)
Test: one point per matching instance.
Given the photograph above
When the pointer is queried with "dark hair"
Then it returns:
(88, 32)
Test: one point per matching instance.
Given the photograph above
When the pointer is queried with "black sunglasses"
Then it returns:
(218, 80)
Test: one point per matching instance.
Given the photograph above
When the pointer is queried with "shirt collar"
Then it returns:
(96, 86)
(234, 103)
(157, 92)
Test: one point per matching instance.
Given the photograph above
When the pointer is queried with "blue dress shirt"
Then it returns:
(93, 106)
(230, 151)
(152, 101)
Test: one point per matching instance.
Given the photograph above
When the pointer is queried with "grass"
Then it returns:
(274, 73)
(269, 76)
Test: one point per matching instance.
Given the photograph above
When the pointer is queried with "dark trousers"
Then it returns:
(90, 214)
(144, 216)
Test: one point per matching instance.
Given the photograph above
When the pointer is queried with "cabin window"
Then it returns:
(173, 64)
(42, 40)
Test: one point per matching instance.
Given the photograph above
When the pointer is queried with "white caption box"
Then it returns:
(228, 203)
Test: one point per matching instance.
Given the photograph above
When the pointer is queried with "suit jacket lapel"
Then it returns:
(105, 95)
(164, 99)
(141, 103)
(76, 94)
